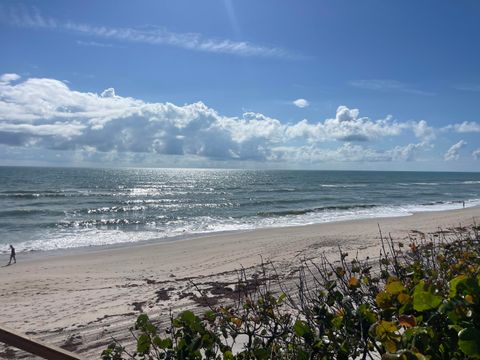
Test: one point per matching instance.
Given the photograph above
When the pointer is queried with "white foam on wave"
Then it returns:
(443, 206)
(343, 185)
(422, 184)
(81, 237)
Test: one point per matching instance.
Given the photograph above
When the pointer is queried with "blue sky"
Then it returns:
(381, 85)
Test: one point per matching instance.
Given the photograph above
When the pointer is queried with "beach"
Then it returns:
(79, 299)
(256, 179)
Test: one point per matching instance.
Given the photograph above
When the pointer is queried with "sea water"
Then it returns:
(57, 208)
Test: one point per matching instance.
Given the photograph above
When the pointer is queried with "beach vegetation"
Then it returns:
(415, 301)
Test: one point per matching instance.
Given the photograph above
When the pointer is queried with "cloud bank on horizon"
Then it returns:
(45, 114)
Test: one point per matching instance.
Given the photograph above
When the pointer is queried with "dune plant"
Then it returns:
(415, 301)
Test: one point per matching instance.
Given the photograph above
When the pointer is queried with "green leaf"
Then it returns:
(210, 315)
(157, 340)
(228, 355)
(367, 313)
(142, 321)
(143, 344)
(469, 342)
(425, 299)
(301, 328)
(166, 344)
(454, 283)
(384, 328)
(261, 354)
(337, 322)
(302, 355)
(151, 329)
(383, 300)
(415, 335)
(188, 317)
(394, 288)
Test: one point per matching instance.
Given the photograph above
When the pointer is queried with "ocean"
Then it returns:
(59, 208)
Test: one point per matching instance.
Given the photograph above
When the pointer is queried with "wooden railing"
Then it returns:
(35, 347)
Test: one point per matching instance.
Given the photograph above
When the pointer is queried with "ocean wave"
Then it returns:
(29, 212)
(93, 232)
(317, 209)
(30, 195)
(82, 238)
(52, 194)
(343, 185)
(88, 223)
(115, 209)
(263, 202)
(281, 190)
(421, 184)
(442, 205)
(469, 182)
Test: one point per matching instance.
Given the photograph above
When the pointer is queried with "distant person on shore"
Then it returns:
(463, 202)
(12, 255)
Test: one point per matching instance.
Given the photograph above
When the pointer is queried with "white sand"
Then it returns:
(88, 296)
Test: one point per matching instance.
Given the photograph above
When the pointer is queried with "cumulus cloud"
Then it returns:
(476, 154)
(346, 126)
(454, 152)
(407, 152)
(6, 78)
(46, 113)
(422, 131)
(348, 152)
(464, 127)
(301, 103)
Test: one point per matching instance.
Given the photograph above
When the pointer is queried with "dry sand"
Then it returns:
(79, 299)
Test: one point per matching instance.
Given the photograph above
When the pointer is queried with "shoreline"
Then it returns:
(90, 296)
(39, 254)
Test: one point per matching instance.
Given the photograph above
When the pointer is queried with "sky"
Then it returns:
(348, 85)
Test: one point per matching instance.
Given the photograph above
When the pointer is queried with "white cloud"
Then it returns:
(32, 18)
(407, 152)
(464, 127)
(454, 152)
(346, 126)
(108, 93)
(422, 131)
(6, 78)
(46, 113)
(94, 44)
(347, 152)
(301, 103)
(388, 85)
(476, 154)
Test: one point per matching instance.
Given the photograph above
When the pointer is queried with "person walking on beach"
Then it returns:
(12, 255)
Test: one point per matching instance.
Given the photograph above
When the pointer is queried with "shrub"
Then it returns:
(420, 301)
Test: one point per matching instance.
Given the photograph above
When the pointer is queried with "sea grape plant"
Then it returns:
(420, 301)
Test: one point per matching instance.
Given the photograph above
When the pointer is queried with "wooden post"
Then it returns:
(35, 347)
